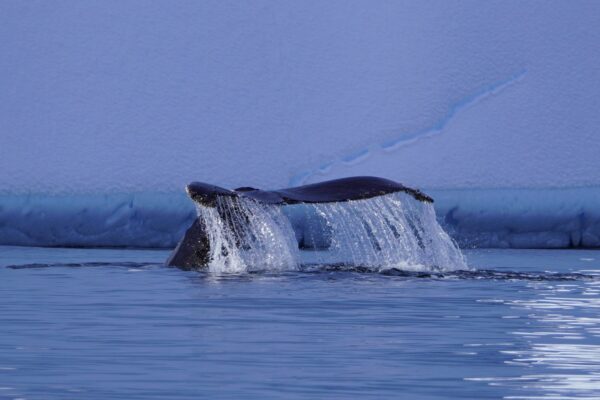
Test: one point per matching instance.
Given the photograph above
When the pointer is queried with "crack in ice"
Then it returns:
(436, 128)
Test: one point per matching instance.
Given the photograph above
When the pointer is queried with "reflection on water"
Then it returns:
(561, 342)
(112, 324)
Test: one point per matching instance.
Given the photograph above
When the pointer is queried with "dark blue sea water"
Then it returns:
(116, 324)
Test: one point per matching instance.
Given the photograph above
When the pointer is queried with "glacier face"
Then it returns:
(117, 105)
(517, 218)
(521, 218)
(115, 220)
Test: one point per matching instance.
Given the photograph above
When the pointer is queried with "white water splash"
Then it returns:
(392, 231)
(247, 236)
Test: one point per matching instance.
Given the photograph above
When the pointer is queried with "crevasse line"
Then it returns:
(436, 128)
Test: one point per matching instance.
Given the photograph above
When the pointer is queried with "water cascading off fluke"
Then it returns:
(392, 231)
(245, 235)
(366, 222)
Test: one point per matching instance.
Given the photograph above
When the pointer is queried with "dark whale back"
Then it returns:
(345, 189)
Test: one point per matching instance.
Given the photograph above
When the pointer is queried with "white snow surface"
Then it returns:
(105, 102)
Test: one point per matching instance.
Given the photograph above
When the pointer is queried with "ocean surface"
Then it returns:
(117, 324)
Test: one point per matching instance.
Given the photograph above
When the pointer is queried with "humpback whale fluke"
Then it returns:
(338, 190)
(194, 249)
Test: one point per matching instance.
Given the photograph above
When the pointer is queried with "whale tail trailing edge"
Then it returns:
(334, 191)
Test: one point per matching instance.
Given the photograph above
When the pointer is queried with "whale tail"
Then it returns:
(194, 249)
(334, 191)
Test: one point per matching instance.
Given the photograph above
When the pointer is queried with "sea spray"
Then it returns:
(392, 231)
(246, 236)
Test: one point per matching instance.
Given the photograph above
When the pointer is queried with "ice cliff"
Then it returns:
(109, 108)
